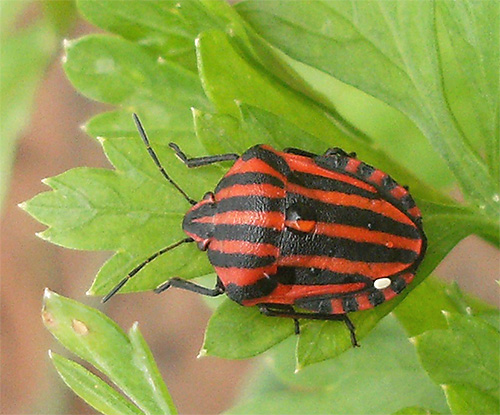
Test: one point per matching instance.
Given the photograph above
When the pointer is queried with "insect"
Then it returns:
(327, 234)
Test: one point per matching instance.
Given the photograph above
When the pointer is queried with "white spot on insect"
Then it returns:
(104, 65)
(369, 225)
(382, 283)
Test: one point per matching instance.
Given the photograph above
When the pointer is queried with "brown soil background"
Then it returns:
(173, 325)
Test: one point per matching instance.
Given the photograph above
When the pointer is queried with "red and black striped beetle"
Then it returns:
(325, 233)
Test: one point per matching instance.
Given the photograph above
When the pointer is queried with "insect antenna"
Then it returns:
(142, 265)
(153, 155)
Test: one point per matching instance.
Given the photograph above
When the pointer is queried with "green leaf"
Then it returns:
(91, 388)
(423, 309)
(226, 82)
(468, 400)
(103, 209)
(144, 360)
(119, 72)
(167, 29)
(415, 410)
(470, 26)
(125, 360)
(381, 376)
(467, 352)
(373, 46)
(158, 26)
(236, 332)
(220, 133)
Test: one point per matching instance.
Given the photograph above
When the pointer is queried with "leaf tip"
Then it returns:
(202, 353)
(47, 294)
(413, 340)
(42, 236)
(67, 43)
(23, 205)
(47, 317)
(446, 314)
(197, 42)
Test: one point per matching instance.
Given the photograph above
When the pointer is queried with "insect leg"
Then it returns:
(190, 286)
(202, 161)
(277, 310)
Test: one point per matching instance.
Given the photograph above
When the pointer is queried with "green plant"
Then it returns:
(216, 78)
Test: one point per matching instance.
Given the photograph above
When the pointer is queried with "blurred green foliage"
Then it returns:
(26, 50)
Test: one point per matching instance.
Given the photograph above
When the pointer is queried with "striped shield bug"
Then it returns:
(327, 234)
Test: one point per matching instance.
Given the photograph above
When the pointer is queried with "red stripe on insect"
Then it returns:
(264, 190)
(352, 166)
(337, 306)
(244, 276)
(365, 235)
(398, 192)
(254, 166)
(377, 177)
(272, 220)
(343, 199)
(363, 302)
(238, 247)
(370, 269)
(408, 277)
(415, 212)
(288, 294)
(304, 165)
